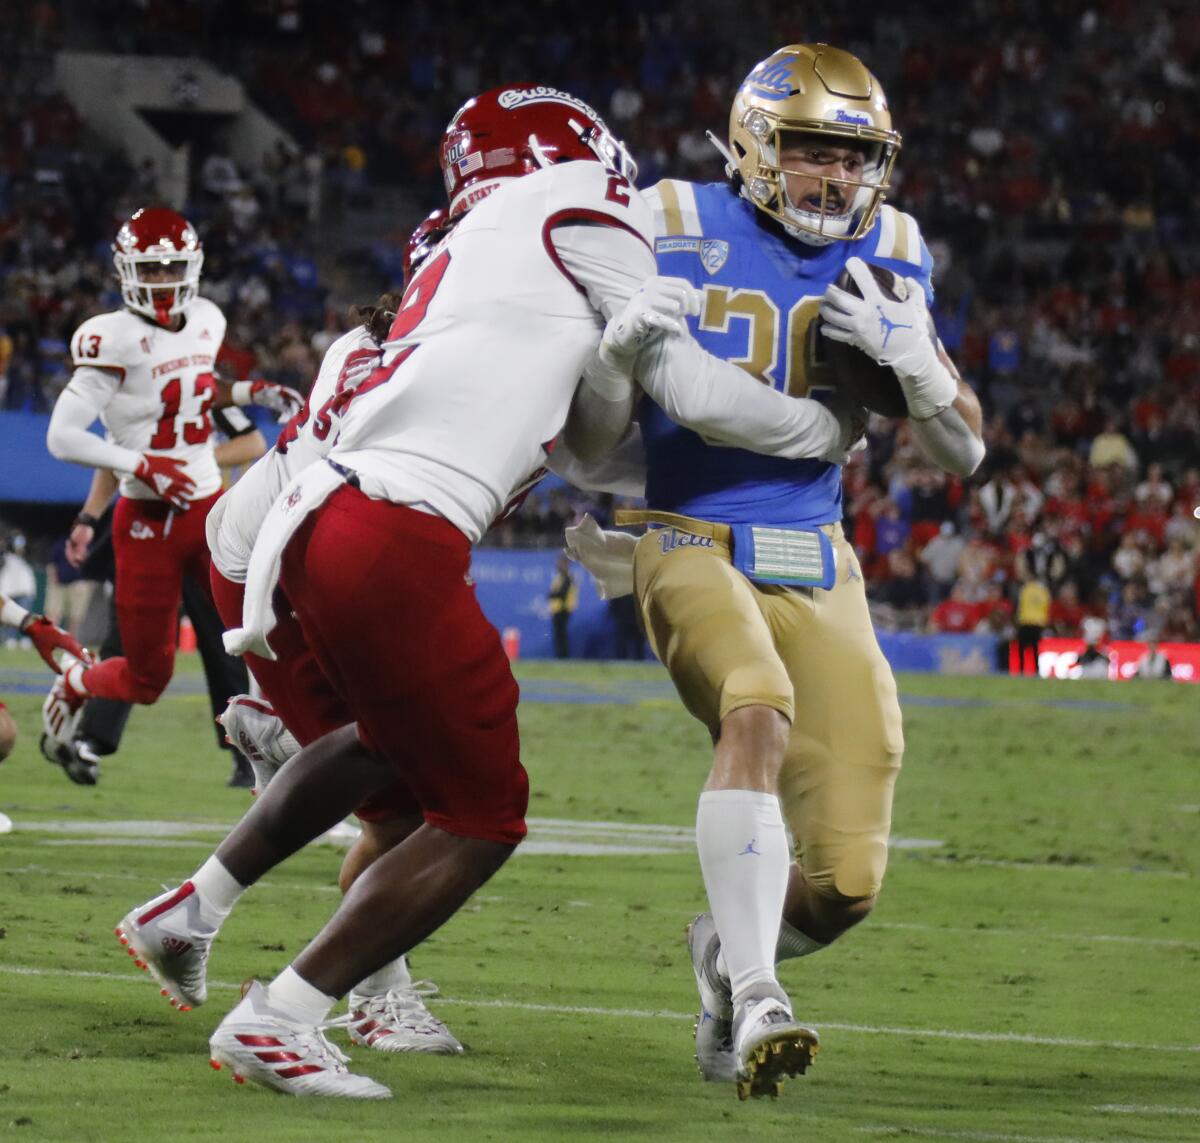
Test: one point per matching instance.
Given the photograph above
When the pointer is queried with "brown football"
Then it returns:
(851, 371)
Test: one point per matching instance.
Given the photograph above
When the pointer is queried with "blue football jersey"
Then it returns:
(761, 291)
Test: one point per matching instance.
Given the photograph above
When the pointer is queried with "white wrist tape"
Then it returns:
(12, 614)
(240, 392)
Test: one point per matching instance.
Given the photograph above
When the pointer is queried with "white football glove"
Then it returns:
(659, 308)
(283, 401)
(607, 555)
(894, 333)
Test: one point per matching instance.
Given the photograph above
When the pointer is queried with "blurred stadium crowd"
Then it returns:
(1051, 154)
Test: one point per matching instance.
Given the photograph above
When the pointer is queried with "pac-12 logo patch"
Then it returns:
(713, 254)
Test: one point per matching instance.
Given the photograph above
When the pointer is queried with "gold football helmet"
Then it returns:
(812, 89)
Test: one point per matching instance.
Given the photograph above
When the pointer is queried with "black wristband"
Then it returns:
(86, 519)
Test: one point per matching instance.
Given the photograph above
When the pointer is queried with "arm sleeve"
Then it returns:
(697, 390)
(81, 402)
(948, 441)
(726, 405)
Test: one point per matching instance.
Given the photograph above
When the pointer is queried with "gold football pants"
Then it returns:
(810, 654)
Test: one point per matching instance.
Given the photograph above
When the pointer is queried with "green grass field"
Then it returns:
(1032, 976)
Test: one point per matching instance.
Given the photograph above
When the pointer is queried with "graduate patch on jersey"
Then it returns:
(712, 252)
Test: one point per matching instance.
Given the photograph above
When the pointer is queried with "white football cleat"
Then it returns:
(398, 1021)
(769, 1045)
(64, 704)
(714, 1025)
(260, 1043)
(168, 940)
(253, 727)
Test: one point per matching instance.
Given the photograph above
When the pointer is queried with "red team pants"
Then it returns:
(382, 598)
(155, 547)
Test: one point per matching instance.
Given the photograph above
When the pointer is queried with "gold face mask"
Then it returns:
(813, 90)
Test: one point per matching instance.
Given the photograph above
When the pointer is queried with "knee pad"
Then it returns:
(855, 872)
(759, 684)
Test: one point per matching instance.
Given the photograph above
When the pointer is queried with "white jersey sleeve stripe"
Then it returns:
(886, 246)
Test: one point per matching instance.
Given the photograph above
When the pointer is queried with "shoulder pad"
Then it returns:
(107, 341)
(210, 313)
(601, 194)
(674, 204)
(899, 237)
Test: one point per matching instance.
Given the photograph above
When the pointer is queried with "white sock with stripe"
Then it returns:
(217, 891)
(394, 975)
(297, 999)
(744, 857)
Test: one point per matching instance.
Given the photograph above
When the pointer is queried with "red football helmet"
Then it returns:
(163, 240)
(426, 236)
(515, 130)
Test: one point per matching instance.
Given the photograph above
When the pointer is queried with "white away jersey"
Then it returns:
(235, 520)
(478, 373)
(156, 388)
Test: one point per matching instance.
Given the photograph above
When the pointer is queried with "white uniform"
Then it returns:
(152, 389)
(234, 522)
(484, 383)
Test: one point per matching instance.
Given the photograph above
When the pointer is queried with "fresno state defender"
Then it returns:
(475, 383)
(146, 371)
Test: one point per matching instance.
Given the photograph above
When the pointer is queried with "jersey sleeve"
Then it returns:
(599, 232)
(900, 248)
(101, 343)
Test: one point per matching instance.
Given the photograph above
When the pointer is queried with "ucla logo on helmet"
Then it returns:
(714, 252)
(772, 80)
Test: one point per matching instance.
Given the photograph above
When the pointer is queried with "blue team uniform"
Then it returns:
(762, 290)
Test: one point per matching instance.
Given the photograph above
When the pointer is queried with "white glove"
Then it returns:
(892, 333)
(283, 401)
(659, 308)
(607, 555)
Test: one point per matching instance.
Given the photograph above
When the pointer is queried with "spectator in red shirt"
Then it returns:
(956, 615)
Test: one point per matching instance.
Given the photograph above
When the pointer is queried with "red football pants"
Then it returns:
(381, 592)
(298, 691)
(155, 547)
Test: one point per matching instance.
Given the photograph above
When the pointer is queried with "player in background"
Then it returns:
(89, 546)
(551, 239)
(146, 371)
(749, 593)
(47, 640)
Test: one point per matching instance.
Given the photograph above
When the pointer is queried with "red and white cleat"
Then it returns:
(261, 1044)
(398, 1021)
(258, 732)
(166, 937)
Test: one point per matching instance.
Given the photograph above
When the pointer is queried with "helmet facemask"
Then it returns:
(842, 209)
(161, 300)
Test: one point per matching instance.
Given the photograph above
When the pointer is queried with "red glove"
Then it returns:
(281, 400)
(47, 639)
(165, 477)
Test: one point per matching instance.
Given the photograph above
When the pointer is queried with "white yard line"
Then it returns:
(1147, 1109)
(663, 1014)
(971, 1136)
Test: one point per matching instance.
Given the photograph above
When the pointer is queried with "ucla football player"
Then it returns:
(750, 594)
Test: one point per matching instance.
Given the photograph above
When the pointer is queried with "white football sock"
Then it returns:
(217, 890)
(744, 857)
(394, 975)
(297, 999)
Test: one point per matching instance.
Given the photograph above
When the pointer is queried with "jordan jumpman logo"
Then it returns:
(750, 849)
(887, 325)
